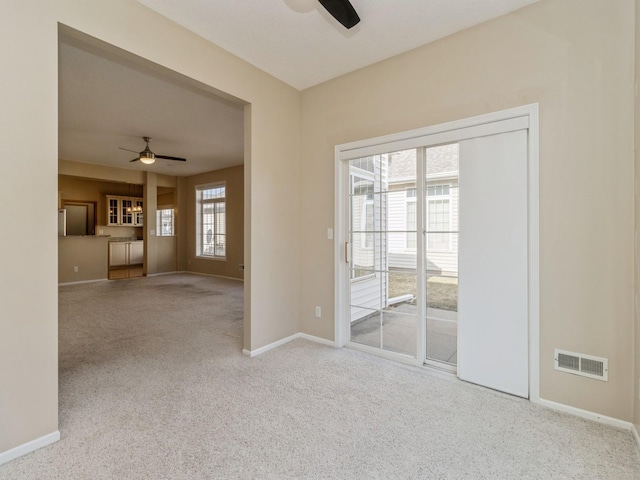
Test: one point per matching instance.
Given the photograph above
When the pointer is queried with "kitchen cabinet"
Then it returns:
(136, 252)
(126, 253)
(125, 211)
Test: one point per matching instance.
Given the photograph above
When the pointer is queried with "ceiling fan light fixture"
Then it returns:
(147, 158)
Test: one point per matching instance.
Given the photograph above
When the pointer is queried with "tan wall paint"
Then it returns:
(234, 179)
(166, 199)
(181, 241)
(150, 266)
(100, 172)
(574, 57)
(29, 30)
(89, 254)
(167, 254)
(110, 174)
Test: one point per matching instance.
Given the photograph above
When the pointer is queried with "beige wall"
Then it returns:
(234, 180)
(574, 57)
(167, 246)
(167, 255)
(89, 254)
(29, 117)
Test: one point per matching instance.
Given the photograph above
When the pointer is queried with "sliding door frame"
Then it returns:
(449, 132)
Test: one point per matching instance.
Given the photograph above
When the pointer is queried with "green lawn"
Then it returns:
(442, 292)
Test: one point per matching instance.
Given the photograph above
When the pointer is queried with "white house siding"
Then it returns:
(438, 262)
(370, 293)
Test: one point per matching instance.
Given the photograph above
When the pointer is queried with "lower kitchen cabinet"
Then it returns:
(126, 253)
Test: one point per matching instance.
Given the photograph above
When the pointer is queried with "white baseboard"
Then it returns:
(212, 275)
(83, 281)
(29, 447)
(635, 435)
(271, 346)
(313, 338)
(596, 417)
(161, 274)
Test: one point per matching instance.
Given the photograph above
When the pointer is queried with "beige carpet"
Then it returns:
(153, 385)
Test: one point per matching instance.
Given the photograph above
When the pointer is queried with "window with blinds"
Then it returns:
(165, 222)
(211, 221)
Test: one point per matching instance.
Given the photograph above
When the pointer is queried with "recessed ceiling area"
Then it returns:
(298, 41)
(106, 102)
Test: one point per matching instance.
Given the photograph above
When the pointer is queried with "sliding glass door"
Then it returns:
(438, 248)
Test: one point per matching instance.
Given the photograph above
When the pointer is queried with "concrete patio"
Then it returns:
(395, 329)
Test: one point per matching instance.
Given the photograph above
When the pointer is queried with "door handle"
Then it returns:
(347, 252)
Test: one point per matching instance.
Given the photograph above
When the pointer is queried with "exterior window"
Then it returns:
(438, 217)
(211, 221)
(166, 222)
(411, 218)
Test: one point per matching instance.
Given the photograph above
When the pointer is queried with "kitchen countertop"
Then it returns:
(84, 236)
(125, 239)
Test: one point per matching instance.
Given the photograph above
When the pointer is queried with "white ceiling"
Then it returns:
(109, 101)
(298, 42)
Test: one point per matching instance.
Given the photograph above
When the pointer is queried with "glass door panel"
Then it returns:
(382, 245)
(441, 252)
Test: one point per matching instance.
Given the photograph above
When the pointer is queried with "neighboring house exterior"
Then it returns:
(441, 210)
(383, 221)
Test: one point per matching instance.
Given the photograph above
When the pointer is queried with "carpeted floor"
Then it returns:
(153, 385)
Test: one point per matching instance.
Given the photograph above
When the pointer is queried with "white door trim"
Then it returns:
(474, 126)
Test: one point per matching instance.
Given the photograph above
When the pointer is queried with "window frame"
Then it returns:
(368, 204)
(411, 234)
(159, 218)
(199, 205)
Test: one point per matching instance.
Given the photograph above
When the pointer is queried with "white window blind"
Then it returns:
(211, 221)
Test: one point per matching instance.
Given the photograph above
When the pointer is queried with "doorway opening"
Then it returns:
(100, 87)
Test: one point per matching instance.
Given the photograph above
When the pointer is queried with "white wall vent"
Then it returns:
(581, 364)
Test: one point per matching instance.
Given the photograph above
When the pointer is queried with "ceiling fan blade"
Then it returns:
(166, 157)
(342, 11)
(134, 160)
(128, 149)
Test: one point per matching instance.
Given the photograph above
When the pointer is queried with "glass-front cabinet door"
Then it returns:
(124, 211)
(113, 211)
(138, 218)
(126, 214)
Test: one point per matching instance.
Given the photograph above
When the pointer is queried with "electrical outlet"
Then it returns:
(75, 269)
(329, 233)
(318, 312)
(100, 232)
